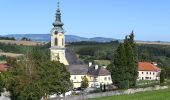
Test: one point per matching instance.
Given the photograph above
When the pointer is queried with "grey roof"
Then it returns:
(98, 72)
(80, 69)
(72, 58)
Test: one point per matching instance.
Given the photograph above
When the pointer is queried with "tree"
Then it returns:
(124, 67)
(35, 77)
(162, 76)
(132, 59)
(118, 67)
(84, 83)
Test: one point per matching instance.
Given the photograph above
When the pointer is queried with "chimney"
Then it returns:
(96, 67)
(90, 64)
(154, 63)
(105, 67)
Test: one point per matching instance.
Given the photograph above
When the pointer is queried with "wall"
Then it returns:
(105, 94)
(77, 81)
(152, 75)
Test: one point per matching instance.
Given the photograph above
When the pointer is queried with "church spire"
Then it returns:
(58, 23)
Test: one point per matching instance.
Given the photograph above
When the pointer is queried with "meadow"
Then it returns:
(151, 95)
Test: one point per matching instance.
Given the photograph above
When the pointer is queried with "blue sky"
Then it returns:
(150, 19)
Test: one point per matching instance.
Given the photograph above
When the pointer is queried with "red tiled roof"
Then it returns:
(147, 66)
(3, 67)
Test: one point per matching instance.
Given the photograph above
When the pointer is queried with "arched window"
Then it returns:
(62, 42)
(56, 41)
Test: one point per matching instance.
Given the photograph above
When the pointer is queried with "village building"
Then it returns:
(96, 75)
(148, 71)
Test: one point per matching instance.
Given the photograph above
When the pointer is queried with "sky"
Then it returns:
(150, 19)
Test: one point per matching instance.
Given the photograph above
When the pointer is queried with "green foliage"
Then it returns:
(124, 66)
(35, 76)
(7, 38)
(149, 95)
(84, 83)
(118, 66)
(21, 49)
(1, 85)
(25, 39)
(162, 76)
(89, 51)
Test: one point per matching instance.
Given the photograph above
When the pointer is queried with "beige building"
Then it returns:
(58, 40)
(148, 71)
(78, 69)
(98, 75)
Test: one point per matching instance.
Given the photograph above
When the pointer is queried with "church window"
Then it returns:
(56, 41)
(62, 42)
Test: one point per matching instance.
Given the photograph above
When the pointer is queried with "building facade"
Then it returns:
(148, 71)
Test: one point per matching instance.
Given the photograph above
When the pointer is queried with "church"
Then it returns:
(95, 74)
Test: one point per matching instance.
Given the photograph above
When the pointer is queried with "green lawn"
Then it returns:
(152, 95)
(102, 62)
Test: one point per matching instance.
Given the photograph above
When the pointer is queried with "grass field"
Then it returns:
(152, 95)
(27, 43)
(102, 62)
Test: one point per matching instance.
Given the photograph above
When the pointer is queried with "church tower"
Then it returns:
(58, 40)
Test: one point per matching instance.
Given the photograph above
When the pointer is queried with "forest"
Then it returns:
(91, 51)
(104, 51)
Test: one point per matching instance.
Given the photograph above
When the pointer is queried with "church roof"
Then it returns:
(79, 69)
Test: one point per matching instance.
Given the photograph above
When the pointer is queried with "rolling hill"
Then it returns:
(69, 38)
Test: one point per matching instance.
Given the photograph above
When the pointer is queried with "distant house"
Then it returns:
(77, 73)
(98, 75)
(148, 71)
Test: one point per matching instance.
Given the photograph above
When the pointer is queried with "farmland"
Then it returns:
(26, 43)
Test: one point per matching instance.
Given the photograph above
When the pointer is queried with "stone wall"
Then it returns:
(111, 93)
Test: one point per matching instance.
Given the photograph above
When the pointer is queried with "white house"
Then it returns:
(148, 71)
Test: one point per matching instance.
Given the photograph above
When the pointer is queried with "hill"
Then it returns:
(69, 38)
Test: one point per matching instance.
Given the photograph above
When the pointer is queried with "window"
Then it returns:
(105, 78)
(153, 73)
(62, 42)
(142, 78)
(150, 73)
(82, 77)
(146, 72)
(74, 77)
(56, 41)
(109, 78)
(142, 72)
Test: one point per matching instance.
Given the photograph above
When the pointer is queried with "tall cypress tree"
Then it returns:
(124, 67)
(132, 61)
(118, 67)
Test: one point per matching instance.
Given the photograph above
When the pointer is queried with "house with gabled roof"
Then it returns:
(148, 71)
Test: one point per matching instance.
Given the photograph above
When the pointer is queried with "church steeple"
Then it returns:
(58, 39)
(58, 23)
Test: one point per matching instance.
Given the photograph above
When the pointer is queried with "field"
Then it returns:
(155, 43)
(102, 62)
(152, 95)
(10, 54)
(27, 43)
